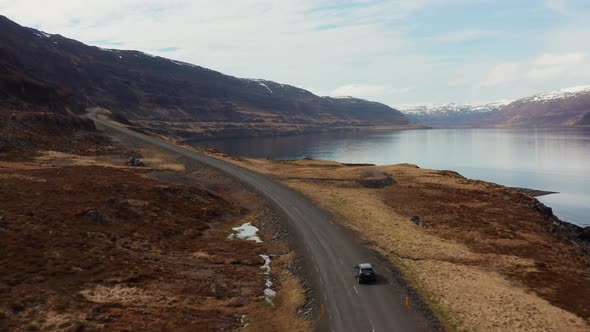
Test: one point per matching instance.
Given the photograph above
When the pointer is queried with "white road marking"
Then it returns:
(372, 327)
(330, 221)
(316, 269)
(340, 261)
(321, 282)
(357, 292)
(330, 316)
(325, 298)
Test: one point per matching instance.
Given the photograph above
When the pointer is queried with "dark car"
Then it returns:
(365, 273)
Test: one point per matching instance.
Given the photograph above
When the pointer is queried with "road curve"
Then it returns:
(329, 250)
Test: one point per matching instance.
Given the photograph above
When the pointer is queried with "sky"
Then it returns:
(398, 52)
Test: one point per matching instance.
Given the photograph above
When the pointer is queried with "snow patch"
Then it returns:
(246, 232)
(269, 294)
(180, 63)
(559, 94)
(266, 86)
(243, 321)
(42, 34)
(456, 108)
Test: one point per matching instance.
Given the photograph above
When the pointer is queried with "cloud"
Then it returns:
(558, 6)
(368, 90)
(464, 35)
(556, 65)
(166, 49)
(359, 90)
(457, 82)
(501, 74)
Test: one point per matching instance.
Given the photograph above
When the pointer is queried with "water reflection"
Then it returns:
(546, 159)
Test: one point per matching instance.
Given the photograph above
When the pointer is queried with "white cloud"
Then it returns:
(557, 65)
(369, 90)
(457, 82)
(558, 6)
(464, 35)
(560, 59)
(501, 74)
(359, 90)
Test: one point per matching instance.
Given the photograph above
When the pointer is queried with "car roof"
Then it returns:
(365, 266)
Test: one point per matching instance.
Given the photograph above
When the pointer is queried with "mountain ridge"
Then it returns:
(183, 100)
(566, 107)
(453, 114)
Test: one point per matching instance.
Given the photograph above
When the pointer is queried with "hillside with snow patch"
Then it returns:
(453, 115)
(560, 108)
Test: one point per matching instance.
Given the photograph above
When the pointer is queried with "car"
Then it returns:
(364, 272)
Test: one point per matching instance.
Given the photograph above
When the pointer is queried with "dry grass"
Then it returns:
(487, 262)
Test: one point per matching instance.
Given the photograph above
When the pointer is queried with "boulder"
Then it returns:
(420, 222)
(135, 162)
(377, 181)
(96, 215)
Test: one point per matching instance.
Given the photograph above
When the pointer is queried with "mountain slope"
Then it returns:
(452, 115)
(565, 107)
(172, 96)
(34, 114)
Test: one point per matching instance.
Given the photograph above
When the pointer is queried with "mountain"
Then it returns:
(453, 115)
(180, 99)
(565, 107)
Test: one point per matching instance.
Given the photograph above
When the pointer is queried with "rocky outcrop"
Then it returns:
(563, 229)
(420, 221)
(376, 180)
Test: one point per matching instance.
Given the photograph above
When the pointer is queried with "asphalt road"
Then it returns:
(329, 250)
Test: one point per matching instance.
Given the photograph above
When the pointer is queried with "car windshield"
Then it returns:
(367, 270)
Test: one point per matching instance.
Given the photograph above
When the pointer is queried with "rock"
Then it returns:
(585, 234)
(544, 210)
(420, 222)
(96, 215)
(380, 181)
(135, 162)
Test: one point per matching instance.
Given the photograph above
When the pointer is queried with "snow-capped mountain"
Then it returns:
(559, 94)
(452, 114)
(564, 107)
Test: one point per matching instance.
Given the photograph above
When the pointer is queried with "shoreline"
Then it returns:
(533, 192)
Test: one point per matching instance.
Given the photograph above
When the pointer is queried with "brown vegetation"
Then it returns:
(86, 245)
(481, 254)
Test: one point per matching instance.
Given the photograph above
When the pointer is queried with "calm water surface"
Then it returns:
(547, 159)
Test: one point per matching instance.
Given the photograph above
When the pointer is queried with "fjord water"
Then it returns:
(545, 159)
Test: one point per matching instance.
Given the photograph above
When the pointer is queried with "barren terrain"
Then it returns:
(89, 243)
